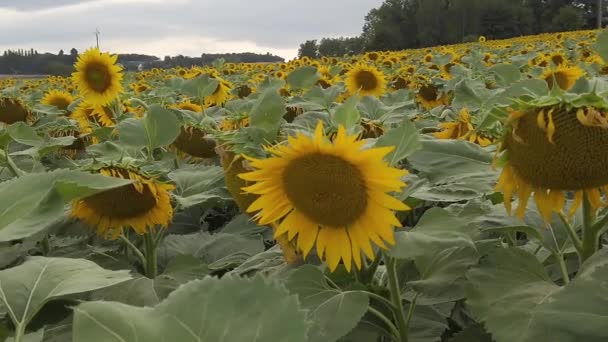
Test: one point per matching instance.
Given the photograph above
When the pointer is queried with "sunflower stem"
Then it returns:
(385, 320)
(151, 259)
(135, 250)
(590, 231)
(576, 241)
(395, 291)
(562, 267)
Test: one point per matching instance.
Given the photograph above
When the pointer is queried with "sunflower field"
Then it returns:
(456, 194)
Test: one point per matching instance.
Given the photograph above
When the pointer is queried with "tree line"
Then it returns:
(405, 24)
(31, 62)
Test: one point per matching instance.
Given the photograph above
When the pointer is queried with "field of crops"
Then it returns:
(454, 194)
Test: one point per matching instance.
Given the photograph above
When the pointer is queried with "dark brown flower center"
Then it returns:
(194, 142)
(576, 160)
(98, 76)
(12, 111)
(366, 80)
(327, 189)
(123, 202)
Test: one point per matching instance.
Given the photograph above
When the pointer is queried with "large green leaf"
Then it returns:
(31, 203)
(219, 250)
(347, 114)
(457, 170)
(227, 309)
(470, 94)
(404, 138)
(601, 45)
(505, 74)
(40, 146)
(443, 248)
(512, 293)
(334, 313)
(144, 291)
(159, 127)
(26, 288)
(267, 113)
(303, 77)
(198, 87)
(199, 185)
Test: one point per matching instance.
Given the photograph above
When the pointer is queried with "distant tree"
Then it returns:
(61, 53)
(309, 49)
(73, 52)
(568, 18)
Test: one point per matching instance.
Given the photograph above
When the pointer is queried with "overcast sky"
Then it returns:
(171, 27)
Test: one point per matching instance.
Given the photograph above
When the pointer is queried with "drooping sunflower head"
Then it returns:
(141, 206)
(563, 76)
(13, 110)
(429, 96)
(220, 95)
(195, 142)
(552, 149)
(332, 194)
(98, 77)
(59, 99)
(463, 129)
(187, 105)
(365, 79)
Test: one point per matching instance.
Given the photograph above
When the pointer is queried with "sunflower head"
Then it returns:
(142, 205)
(365, 79)
(430, 97)
(332, 194)
(59, 99)
(13, 110)
(98, 77)
(187, 105)
(552, 149)
(563, 76)
(194, 142)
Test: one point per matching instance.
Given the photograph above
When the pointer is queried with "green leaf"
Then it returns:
(442, 276)
(601, 45)
(199, 87)
(143, 291)
(347, 113)
(31, 337)
(227, 309)
(199, 185)
(219, 251)
(404, 138)
(158, 128)
(440, 159)
(513, 294)
(436, 231)
(333, 313)
(303, 77)
(267, 113)
(470, 94)
(26, 288)
(505, 74)
(33, 202)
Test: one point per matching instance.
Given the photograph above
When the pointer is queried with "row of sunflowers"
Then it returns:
(453, 193)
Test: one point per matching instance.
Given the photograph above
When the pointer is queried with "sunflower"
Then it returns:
(563, 76)
(59, 99)
(194, 142)
(220, 95)
(482, 39)
(141, 205)
(462, 130)
(553, 149)
(187, 105)
(429, 97)
(231, 124)
(365, 79)
(12, 110)
(334, 194)
(97, 77)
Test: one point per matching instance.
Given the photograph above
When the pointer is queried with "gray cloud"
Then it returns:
(33, 5)
(268, 24)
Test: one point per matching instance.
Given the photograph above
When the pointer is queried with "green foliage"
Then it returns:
(203, 310)
(33, 202)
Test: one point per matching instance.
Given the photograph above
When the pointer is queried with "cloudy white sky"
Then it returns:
(171, 27)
